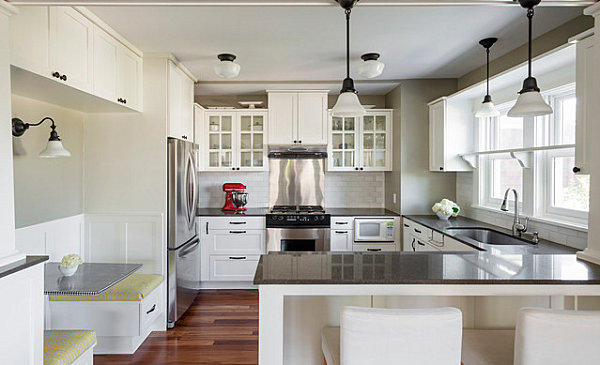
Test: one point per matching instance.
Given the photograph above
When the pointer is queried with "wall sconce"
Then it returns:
(53, 149)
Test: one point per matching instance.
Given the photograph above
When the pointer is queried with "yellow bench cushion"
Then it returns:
(62, 347)
(133, 288)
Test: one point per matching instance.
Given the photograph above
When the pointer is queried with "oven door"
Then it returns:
(373, 230)
(297, 239)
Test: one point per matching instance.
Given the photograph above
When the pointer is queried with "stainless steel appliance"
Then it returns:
(183, 246)
(297, 221)
(374, 230)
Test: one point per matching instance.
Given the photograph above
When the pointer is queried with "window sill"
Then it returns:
(546, 220)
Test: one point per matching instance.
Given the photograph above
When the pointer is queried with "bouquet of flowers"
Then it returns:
(72, 260)
(446, 209)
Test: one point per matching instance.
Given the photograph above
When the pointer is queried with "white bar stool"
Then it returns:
(394, 336)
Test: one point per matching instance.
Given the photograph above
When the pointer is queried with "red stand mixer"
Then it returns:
(236, 197)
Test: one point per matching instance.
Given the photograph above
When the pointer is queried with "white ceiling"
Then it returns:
(285, 47)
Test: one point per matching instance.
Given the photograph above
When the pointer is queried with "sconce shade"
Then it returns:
(54, 149)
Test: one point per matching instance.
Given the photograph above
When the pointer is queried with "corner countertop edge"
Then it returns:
(21, 265)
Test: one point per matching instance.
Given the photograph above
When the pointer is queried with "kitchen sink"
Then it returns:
(487, 236)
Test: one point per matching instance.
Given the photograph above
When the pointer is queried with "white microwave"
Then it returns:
(374, 230)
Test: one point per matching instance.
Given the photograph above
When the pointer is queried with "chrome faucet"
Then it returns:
(517, 228)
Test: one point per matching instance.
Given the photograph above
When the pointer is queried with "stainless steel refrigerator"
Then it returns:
(183, 247)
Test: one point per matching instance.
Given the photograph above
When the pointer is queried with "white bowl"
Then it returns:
(443, 216)
(67, 271)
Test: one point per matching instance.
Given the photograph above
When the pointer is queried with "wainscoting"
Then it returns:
(54, 238)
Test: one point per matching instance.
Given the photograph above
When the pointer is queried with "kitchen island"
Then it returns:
(301, 292)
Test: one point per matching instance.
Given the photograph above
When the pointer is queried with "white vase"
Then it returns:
(67, 271)
(443, 216)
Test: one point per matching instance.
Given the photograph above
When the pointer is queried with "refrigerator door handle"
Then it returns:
(190, 190)
(187, 250)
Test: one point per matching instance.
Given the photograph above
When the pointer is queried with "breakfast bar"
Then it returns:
(364, 277)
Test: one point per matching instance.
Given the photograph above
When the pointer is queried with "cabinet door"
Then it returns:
(187, 107)
(175, 89)
(312, 118)
(376, 146)
(232, 267)
(71, 49)
(584, 90)
(343, 144)
(105, 65)
(283, 118)
(29, 48)
(129, 78)
(437, 117)
(251, 140)
(407, 239)
(219, 128)
(422, 246)
(341, 240)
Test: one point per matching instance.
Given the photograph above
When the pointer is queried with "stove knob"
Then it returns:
(316, 218)
(280, 218)
(274, 217)
(322, 218)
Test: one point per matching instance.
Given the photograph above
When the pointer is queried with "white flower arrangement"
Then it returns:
(72, 260)
(446, 207)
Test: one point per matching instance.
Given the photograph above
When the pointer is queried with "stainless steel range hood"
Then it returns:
(297, 175)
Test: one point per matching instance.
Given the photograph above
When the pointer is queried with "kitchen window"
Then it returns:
(548, 189)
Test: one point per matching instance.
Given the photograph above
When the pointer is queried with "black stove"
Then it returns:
(301, 216)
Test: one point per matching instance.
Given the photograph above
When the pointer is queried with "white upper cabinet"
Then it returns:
(129, 78)
(71, 50)
(29, 39)
(361, 143)
(297, 117)
(437, 118)
(181, 104)
(584, 90)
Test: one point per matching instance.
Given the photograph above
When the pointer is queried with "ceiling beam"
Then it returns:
(292, 2)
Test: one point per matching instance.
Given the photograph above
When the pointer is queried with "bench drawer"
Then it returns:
(149, 309)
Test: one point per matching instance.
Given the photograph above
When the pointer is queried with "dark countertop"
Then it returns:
(89, 279)
(217, 212)
(19, 265)
(422, 268)
(543, 247)
(360, 212)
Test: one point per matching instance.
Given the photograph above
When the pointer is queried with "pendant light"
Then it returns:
(371, 67)
(226, 68)
(487, 108)
(348, 104)
(53, 149)
(530, 102)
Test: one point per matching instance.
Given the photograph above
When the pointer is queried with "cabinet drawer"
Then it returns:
(233, 223)
(232, 267)
(234, 241)
(344, 223)
(149, 309)
(373, 247)
(421, 232)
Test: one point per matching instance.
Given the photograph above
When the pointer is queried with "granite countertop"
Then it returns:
(334, 212)
(436, 224)
(19, 265)
(423, 268)
(217, 212)
(89, 279)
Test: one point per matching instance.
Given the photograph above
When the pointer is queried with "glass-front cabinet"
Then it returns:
(236, 141)
(361, 143)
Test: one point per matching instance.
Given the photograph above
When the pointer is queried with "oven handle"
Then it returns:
(374, 249)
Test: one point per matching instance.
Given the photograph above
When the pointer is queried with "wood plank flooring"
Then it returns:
(221, 328)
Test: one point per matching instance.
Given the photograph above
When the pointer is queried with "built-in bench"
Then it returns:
(69, 347)
(122, 316)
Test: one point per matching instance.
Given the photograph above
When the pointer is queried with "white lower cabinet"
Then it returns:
(231, 248)
(420, 238)
(341, 240)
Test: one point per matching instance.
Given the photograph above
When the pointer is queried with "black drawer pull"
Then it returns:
(406, 225)
(420, 243)
(341, 232)
(416, 230)
(341, 223)
(151, 309)
(237, 232)
(237, 222)
(237, 257)
(374, 249)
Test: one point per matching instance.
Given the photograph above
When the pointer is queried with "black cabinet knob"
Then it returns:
(299, 141)
(356, 168)
(238, 169)
(124, 101)
(56, 74)
(63, 77)
(233, 168)
(295, 141)
(362, 168)
(576, 169)
(441, 169)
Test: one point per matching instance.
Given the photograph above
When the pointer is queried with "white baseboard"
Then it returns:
(227, 285)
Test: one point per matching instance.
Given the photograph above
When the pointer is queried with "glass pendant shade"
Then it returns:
(348, 105)
(55, 149)
(226, 68)
(530, 104)
(487, 109)
(370, 67)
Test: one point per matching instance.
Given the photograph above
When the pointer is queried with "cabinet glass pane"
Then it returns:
(213, 141)
(226, 123)
(349, 159)
(258, 159)
(349, 124)
(380, 141)
(257, 142)
(336, 124)
(226, 159)
(380, 159)
(246, 123)
(245, 141)
(258, 123)
(246, 159)
(213, 159)
(226, 141)
(368, 141)
(213, 124)
(337, 141)
(368, 123)
(368, 158)
(349, 141)
(380, 123)
(337, 159)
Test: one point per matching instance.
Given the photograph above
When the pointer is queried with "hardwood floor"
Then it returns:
(221, 327)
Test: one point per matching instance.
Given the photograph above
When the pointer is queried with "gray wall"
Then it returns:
(417, 189)
(207, 101)
(47, 189)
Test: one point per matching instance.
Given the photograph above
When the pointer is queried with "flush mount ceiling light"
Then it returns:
(347, 104)
(487, 108)
(371, 67)
(53, 149)
(226, 68)
(530, 102)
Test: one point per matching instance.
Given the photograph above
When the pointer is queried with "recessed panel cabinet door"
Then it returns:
(437, 118)
(129, 74)
(71, 50)
(105, 65)
(312, 118)
(29, 39)
(283, 118)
